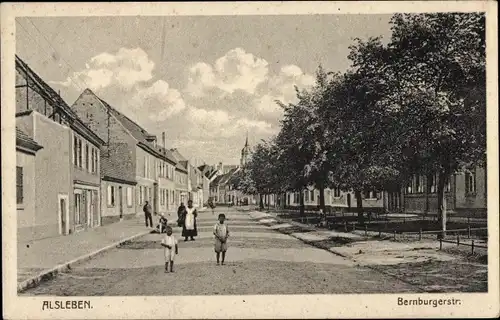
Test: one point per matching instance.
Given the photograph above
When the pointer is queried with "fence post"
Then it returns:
(366, 231)
(345, 226)
(379, 232)
(468, 232)
(472, 246)
(458, 240)
(440, 244)
(394, 235)
(420, 234)
(353, 227)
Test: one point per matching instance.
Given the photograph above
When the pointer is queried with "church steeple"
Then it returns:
(245, 152)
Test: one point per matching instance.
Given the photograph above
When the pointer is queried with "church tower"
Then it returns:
(245, 153)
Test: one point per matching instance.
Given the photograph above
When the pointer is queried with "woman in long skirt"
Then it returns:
(189, 227)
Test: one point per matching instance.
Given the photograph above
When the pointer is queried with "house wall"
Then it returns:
(181, 187)
(165, 174)
(26, 218)
(145, 177)
(120, 154)
(112, 193)
(52, 175)
(475, 202)
(206, 190)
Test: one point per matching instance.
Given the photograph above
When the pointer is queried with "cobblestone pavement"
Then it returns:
(259, 261)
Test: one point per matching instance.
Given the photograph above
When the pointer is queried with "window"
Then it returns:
(432, 187)
(140, 196)
(448, 185)
(80, 153)
(312, 195)
(306, 196)
(129, 197)
(366, 194)
(418, 184)
(409, 188)
(19, 185)
(111, 196)
(92, 157)
(75, 150)
(336, 193)
(96, 160)
(375, 194)
(470, 182)
(87, 162)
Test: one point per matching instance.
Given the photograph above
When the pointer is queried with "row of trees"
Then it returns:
(414, 105)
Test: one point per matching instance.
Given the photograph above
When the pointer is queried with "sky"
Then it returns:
(206, 81)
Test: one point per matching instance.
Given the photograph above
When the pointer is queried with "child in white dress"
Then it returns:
(171, 249)
(221, 233)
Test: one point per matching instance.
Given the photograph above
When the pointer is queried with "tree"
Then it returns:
(303, 140)
(439, 63)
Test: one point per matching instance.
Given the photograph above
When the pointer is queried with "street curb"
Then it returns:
(51, 273)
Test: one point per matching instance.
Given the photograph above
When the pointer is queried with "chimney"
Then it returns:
(163, 140)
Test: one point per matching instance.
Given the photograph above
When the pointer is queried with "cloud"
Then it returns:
(159, 101)
(236, 70)
(124, 69)
(282, 87)
(219, 124)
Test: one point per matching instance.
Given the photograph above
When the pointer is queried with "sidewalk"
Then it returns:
(366, 249)
(45, 257)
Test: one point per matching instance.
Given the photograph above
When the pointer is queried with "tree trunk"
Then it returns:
(301, 201)
(261, 201)
(268, 201)
(359, 206)
(442, 202)
(322, 198)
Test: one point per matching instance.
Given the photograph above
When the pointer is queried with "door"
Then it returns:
(155, 198)
(63, 215)
(349, 200)
(90, 208)
(120, 201)
(95, 206)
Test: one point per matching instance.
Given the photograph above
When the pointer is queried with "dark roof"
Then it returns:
(55, 99)
(178, 155)
(225, 178)
(25, 143)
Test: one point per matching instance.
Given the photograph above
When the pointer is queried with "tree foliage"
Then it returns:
(415, 105)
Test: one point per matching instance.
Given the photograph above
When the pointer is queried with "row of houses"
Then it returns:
(465, 192)
(87, 165)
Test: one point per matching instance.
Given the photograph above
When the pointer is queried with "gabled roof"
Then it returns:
(55, 99)
(140, 134)
(225, 178)
(178, 155)
(25, 143)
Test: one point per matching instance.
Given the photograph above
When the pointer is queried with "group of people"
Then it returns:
(186, 218)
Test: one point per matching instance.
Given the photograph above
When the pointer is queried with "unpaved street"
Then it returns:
(259, 261)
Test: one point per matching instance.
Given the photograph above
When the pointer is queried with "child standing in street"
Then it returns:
(221, 233)
(171, 249)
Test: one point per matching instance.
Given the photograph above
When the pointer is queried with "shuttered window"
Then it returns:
(19, 185)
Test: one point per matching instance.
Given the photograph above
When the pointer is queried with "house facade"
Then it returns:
(465, 193)
(117, 157)
(26, 149)
(67, 178)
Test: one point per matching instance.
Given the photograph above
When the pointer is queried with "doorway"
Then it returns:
(120, 201)
(63, 214)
